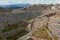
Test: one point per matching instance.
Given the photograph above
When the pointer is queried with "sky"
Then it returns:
(6, 2)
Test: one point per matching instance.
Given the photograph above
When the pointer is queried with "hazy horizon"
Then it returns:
(7, 2)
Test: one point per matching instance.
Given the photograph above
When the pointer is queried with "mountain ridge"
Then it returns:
(14, 6)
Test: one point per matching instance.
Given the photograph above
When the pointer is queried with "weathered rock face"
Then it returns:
(50, 24)
(40, 22)
(54, 25)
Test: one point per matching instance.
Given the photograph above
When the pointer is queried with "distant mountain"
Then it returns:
(15, 6)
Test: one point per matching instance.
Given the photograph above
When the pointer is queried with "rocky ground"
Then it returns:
(46, 27)
(43, 27)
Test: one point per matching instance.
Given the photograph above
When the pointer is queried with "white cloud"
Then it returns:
(2, 2)
(34, 1)
(28, 1)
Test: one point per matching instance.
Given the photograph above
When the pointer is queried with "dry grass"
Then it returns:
(41, 33)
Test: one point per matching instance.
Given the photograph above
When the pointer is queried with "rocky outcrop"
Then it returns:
(48, 26)
(54, 25)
